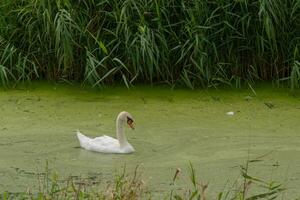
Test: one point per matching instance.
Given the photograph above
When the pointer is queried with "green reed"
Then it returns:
(131, 186)
(175, 42)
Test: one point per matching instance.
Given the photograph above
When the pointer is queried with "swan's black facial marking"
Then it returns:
(129, 119)
(130, 122)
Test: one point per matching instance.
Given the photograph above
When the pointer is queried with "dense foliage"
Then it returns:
(177, 42)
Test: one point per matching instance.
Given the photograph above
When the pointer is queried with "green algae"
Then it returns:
(173, 128)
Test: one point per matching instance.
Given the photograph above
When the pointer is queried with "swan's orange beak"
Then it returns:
(131, 125)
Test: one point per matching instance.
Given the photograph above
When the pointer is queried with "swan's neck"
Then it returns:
(120, 132)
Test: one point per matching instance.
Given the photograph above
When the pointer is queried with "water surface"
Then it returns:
(173, 128)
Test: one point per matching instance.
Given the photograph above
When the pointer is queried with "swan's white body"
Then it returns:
(106, 144)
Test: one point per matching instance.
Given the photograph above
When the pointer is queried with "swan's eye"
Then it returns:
(130, 122)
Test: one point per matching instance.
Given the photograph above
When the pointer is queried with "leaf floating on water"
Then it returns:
(248, 98)
(276, 164)
(255, 160)
(230, 113)
(269, 105)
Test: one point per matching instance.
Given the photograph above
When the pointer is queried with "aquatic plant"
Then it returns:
(132, 187)
(187, 43)
(246, 187)
(51, 186)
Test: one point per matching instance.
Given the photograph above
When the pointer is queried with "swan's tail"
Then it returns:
(83, 140)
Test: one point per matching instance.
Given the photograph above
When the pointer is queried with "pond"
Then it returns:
(173, 128)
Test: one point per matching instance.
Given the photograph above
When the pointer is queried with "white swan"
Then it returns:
(106, 144)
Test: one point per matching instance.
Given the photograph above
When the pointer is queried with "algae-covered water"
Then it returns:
(173, 128)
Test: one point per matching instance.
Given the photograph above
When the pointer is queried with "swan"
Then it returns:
(106, 144)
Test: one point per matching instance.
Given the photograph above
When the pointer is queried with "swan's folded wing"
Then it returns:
(104, 144)
(105, 140)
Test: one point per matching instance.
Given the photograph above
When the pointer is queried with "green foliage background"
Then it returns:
(177, 42)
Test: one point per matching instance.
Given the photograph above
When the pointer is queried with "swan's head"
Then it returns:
(127, 117)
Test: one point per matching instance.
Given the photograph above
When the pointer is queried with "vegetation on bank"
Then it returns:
(132, 187)
(176, 42)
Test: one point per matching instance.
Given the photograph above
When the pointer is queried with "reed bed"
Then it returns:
(176, 42)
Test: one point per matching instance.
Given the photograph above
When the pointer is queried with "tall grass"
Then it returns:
(176, 42)
(131, 187)
(51, 186)
(246, 187)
